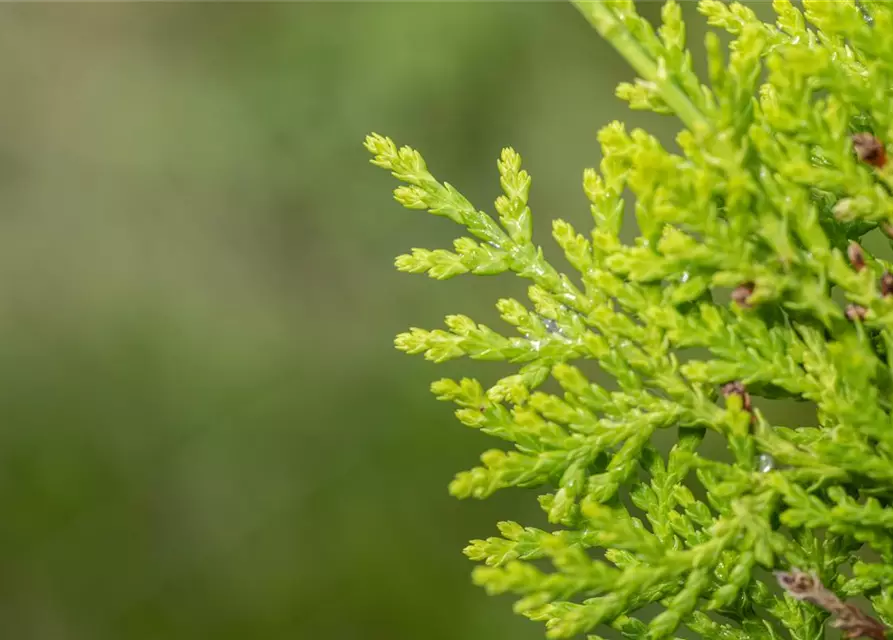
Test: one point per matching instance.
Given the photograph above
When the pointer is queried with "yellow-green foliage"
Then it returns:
(765, 200)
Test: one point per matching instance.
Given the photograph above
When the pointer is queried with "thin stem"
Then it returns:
(611, 29)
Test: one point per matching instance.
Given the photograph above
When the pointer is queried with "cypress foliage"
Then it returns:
(748, 251)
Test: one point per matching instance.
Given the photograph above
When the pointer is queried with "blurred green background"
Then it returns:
(206, 431)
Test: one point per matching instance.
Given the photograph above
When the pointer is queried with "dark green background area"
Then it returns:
(206, 431)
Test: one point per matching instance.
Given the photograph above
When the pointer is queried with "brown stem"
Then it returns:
(847, 617)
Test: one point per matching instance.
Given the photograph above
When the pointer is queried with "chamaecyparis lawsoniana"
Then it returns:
(748, 251)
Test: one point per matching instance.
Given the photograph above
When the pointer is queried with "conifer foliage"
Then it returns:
(748, 255)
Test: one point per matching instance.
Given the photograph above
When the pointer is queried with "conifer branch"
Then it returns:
(749, 255)
(601, 15)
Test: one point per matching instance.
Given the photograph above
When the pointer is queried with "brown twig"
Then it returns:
(869, 149)
(741, 295)
(855, 313)
(847, 617)
(887, 284)
(856, 255)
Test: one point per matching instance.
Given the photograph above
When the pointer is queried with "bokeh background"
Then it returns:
(206, 431)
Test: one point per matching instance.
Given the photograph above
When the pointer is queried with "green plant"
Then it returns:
(745, 282)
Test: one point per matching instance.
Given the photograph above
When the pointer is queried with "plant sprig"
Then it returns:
(748, 251)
